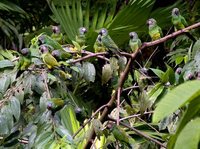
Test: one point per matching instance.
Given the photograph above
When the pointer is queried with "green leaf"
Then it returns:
(6, 63)
(89, 71)
(189, 137)
(15, 107)
(3, 125)
(158, 72)
(176, 98)
(5, 82)
(106, 73)
(68, 119)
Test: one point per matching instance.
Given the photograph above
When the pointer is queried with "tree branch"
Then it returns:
(140, 133)
(126, 71)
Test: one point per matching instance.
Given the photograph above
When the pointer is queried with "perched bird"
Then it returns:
(108, 42)
(60, 54)
(55, 104)
(122, 136)
(53, 44)
(179, 22)
(155, 31)
(48, 59)
(24, 59)
(81, 38)
(57, 35)
(134, 41)
(98, 46)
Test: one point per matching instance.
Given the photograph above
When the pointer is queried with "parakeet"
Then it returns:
(57, 35)
(48, 59)
(178, 20)
(55, 104)
(60, 54)
(98, 46)
(80, 38)
(108, 42)
(53, 44)
(155, 31)
(134, 41)
(24, 59)
(122, 136)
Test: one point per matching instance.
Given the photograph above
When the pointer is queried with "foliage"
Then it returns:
(48, 107)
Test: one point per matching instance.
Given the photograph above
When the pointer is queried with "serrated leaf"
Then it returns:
(189, 137)
(176, 98)
(89, 71)
(106, 73)
(6, 63)
(15, 107)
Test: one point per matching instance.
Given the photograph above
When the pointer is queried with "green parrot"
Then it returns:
(98, 46)
(53, 44)
(134, 41)
(122, 136)
(24, 59)
(57, 35)
(178, 20)
(80, 38)
(55, 104)
(48, 59)
(155, 31)
(60, 55)
(108, 42)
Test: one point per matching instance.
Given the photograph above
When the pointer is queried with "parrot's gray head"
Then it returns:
(175, 12)
(151, 22)
(133, 35)
(55, 53)
(103, 32)
(56, 29)
(82, 30)
(25, 51)
(44, 49)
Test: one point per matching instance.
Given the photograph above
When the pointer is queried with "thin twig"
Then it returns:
(83, 125)
(135, 115)
(89, 56)
(140, 133)
(118, 104)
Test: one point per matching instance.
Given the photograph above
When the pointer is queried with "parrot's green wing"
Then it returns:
(49, 60)
(55, 104)
(160, 31)
(184, 21)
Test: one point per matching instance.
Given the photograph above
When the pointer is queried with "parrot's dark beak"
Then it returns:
(100, 33)
(148, 22)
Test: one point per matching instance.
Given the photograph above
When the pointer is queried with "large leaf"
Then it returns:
(6, 63)
(176, 99)
(190, 136)
(89, 71)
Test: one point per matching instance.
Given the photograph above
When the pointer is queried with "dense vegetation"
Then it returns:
(64, 83)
